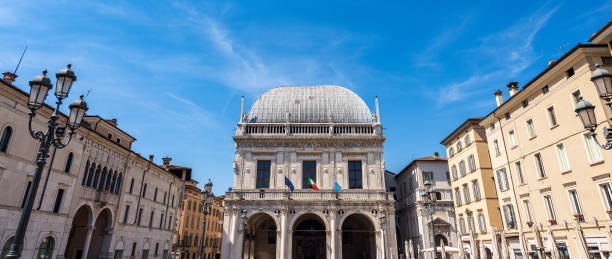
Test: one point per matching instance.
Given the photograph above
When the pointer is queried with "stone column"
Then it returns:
(252, 248)
(90, 230)
(382, 241)
(283, 235)
(332, 225)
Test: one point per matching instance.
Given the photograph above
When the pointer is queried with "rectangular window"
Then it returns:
(454, 172)
(552, 118)
(512, 138)
(25, 194)
(462, 225)
(525, 103)
(471, 163)
(164, 197)
(607, 194)
(531, 129)
(527, 206)
(550, 207)
(471, 224)
(133, 249)
(509, 216)
(144, 191)
(132, 185)
(127, 213)
(482, 223)
(58, 201)
(570, 72)
(466, 194)
(462, 168)
(539, 165)
(563, 161)
(545, 89)
(355, 175)
(575, 202)
(576, 96)
(309, 171)
(170, 223)
(457, 197)
(139, 217)
(428, 176)
(161, 221)
(263, 174)
(448, 179)
(519, 170)
(593, 148)
(155, 194)
(496, 146)
(502, 179)
(476, 190)
(151, 219)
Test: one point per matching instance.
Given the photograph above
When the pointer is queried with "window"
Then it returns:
(139, 217)
(188, 204)
(462, 168)
(492, 125)
(545, 89)
(476, 190)
(133, 249)
(593, 148)
(539, 165)
(563, 161)
(454, 172)
(462, 225)
(507, 115)
(527, 206)
(58, 201)
(471, 223)
(156, 248)
(549, 207)
(448, 179)
(164, 197)
(151, 218)
(576, 203)
(531, 129)
(155, 194)
(170, 223)
(6, 139)
(512, 138)
(467, 140)
(525, 103)
(519, 170)
(45, 250)
(68, 163)
(110, 136)
(132, 185)
(466, 194)
(428, 176)
(482, 223)
(457, 197)
(127, 214)
(471, 163)
(576, 96)
(607, 61)
(459, 146)
(354, 169)
(552, 118)
(570, 72)
(263, 174)
(451, 152)
(118, 141)
(607, 194)
(25, 194)
(502, 179)
(144, 190)
(496, 146)
(509, 216)
(309, 171)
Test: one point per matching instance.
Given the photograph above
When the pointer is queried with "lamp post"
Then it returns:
(429, 201)
(602, 79)
(39, 86)
(207, 197)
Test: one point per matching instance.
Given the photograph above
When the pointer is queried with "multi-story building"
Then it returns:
(189, 228)
(476, 205)
(213, 231)
(97, 197)
(551, 176)
(309, 179)
(414, 221)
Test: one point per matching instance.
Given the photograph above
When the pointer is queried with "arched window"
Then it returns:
(102, 179)
(68, 163)
(6, 247)
(96, 177)
(45, 250)
(6, 138)
(119, 183)
(85, 173)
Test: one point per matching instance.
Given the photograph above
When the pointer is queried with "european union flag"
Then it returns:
(289, 183)
(337, 187)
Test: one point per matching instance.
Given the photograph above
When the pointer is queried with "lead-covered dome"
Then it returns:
(309, 104)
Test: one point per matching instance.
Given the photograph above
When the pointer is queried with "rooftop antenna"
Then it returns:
(22, 54)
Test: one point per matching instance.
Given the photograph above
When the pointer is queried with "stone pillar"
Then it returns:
(283, 235)
(90, 230)
(238, 244)
(383, 244)
(334, 229)
(252, 248)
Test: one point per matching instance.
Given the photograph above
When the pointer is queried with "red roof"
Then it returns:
(600, 31)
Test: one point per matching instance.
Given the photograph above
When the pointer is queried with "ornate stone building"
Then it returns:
(97, 197)
(190, 223)
(297, 136)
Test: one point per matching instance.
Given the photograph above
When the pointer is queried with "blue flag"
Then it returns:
(337, 187)
(289, 183)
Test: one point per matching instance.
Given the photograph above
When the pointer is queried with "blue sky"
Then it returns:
(172, 72)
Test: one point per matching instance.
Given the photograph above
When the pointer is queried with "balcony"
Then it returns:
(308, 195)
(100, 197)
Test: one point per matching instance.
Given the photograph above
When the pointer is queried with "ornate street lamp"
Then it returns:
(39, 87)
(602, 79)
(429, 201)
(207, 197)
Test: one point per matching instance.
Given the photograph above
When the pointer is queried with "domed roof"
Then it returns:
(309, 104)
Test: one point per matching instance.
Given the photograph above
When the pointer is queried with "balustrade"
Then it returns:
(308, 195)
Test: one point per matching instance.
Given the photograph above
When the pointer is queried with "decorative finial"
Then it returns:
(69, 66)
(44, 72)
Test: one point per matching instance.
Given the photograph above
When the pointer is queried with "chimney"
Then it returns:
(151, 157)
(499, 99)
(167, 160)
(512, 88)
(436, 156)
(9, 77)
(114, 122)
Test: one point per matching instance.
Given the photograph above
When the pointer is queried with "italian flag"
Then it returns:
(313, 185)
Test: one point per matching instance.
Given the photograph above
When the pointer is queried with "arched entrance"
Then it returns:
(358, 238)
(309, 238)
(260, 239)
(78, 233)
(100, 240)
